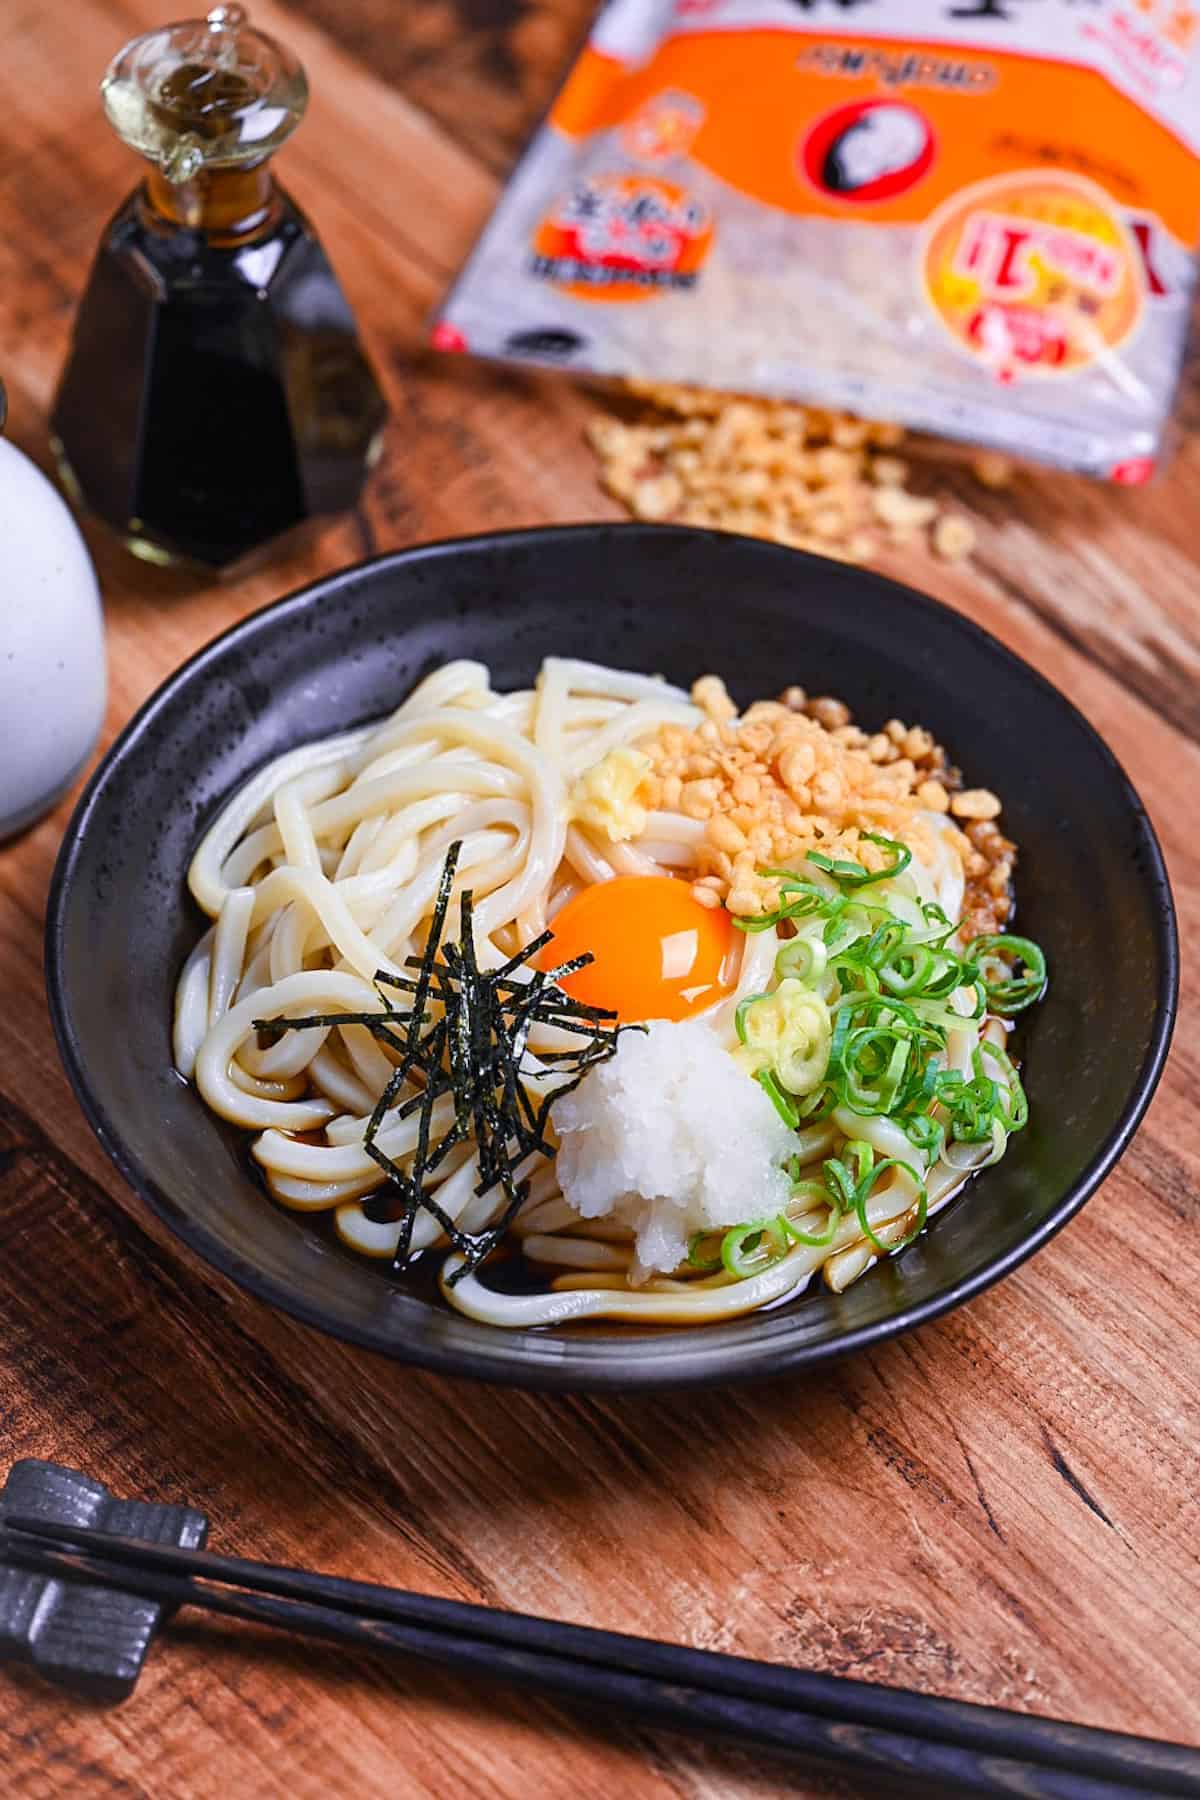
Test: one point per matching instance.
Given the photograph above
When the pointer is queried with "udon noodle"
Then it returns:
(323, 872)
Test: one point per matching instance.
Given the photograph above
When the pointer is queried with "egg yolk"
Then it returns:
(658, 953)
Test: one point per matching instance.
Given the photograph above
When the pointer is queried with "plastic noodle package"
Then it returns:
(972, 217)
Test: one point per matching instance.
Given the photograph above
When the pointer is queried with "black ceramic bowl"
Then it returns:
(1091, 888)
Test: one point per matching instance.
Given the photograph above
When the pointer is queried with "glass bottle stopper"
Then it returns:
(211, 93)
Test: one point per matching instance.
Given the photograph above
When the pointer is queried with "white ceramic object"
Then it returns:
(52, 673)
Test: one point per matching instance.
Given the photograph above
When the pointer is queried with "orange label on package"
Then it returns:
(622, 237)
(1033, 274)
(974, 217)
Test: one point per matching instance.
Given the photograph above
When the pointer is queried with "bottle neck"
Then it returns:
(230, 205)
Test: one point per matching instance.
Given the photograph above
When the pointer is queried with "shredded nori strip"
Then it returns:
(471, 1051)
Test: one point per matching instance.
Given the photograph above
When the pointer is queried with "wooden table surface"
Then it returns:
(1000, 1507)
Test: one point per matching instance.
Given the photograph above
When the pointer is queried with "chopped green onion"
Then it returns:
(861, 1154)
(998, 958)
(971, 1105)
(1015, 1115)
(782, 1102)
(943, 1018)
(817, 1105)
(936, 927)
(884, 941)
(750, 1249)
(805, 959)
(809, 900)
(863, 1193)
(874, 1065)
(851, 874)
(704, 1250)
(847, 928)
(806, 1196)
(908, 970)
(894, 982)
(926, 1134)
(739, 1017)
(841, 1179)
(758, 922)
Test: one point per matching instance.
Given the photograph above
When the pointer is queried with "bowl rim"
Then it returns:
(688, 1365)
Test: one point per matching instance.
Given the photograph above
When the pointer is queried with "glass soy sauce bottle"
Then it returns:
(215, 395)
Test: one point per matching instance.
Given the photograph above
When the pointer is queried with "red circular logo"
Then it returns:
(868, 151)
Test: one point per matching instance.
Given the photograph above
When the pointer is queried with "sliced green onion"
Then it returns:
(998, 958)
(907, 970)
(792, 883)
(937, 926)
(862, 1155)
(1014, 1116)
(851, 874)
(818, 1105)
(948, 977)
(926, 1134)
(857, 978)
(842, 871)
(750, 1249)
(806, 1196)
(920, 1089)
(884, 941)
(974, 1162)
(780, 1101)
(863, 1194)
(842, 1179)
(704, 1250)
(899, 981)
(847, 928)
(941, 1017)
(809, 900)
(875, 1062)
(970, 1104)
(739, 1017)
(805, 959)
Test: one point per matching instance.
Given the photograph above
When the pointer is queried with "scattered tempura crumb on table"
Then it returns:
(796, 475)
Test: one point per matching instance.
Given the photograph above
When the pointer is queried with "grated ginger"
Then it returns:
(608, 797)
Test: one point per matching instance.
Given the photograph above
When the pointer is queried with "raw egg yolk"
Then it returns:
(658, 953)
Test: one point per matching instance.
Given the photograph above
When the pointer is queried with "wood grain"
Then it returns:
(1000, 1507)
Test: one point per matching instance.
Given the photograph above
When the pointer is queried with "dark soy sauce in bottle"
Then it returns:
(216, 395)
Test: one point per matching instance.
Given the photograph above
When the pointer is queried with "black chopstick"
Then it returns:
(941, 1745)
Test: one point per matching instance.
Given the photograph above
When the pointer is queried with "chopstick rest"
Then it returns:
(91, 1638)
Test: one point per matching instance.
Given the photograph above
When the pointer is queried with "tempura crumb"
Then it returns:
(992, 469)
(953, 537)
(975, 803)
(797, 475)
(792, 775)
(609, 796)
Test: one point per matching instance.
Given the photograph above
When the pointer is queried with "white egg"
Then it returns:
(52, 672)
